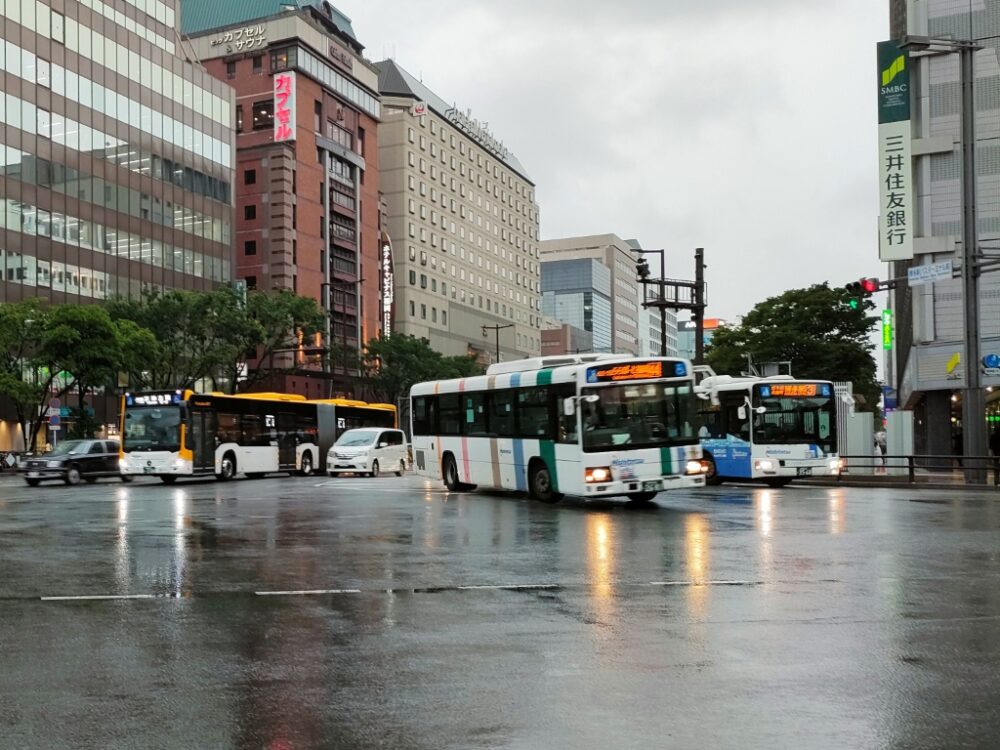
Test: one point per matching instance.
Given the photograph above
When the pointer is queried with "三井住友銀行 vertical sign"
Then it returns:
(895, 170)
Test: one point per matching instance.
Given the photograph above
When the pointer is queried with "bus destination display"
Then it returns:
(794, 390)
(624, 372)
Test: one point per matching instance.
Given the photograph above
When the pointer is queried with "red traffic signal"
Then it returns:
(869, 286)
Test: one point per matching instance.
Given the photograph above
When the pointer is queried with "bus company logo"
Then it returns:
(778, 452)
(621, 463)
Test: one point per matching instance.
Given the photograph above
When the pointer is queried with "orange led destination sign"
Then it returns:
(793, 389)
(630, 371)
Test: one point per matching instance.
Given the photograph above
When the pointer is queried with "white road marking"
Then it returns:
(98, 597)
(512, 586)
(705, 583)
(308, 592)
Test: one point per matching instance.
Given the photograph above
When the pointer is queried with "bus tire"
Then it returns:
(228, 468)
(168, 479)
(126, 478)
(712, 475)
(776, 483)
(540, 482)
(449, 470)
(306, 464)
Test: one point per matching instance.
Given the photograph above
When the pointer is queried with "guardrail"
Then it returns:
(921, 467)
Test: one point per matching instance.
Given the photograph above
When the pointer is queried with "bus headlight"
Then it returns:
(765, 465)
(836, 464)
(599, 474)
(123, 464)
(695, 467)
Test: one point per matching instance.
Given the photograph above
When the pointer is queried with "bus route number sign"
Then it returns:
(624, 372)
(793, 390)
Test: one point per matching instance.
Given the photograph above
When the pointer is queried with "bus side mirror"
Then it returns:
(184, 410)
(741, 413)
(569, 406)
(760, 410)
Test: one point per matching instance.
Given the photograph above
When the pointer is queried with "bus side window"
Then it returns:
(502, 413)
(567, 431)
(475, 414)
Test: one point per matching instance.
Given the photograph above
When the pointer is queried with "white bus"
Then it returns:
(768, 429)
(171, 434)
(587, 425)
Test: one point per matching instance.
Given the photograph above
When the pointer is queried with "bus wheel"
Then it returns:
(168, 479)
(712, 475)
(777, 482)
(228, 468)
(540, 483)
(450, 471)
(306, 465)
(126, 478)
(641, 497)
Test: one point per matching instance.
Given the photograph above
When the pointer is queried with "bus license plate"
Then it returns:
(655, 486)
(148, 469)
(804, 471)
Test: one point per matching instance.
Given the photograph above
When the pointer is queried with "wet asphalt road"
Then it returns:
(732, 617)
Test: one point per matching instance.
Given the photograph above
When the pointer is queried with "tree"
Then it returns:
(392, 365)
(815, 329)
(21, 324)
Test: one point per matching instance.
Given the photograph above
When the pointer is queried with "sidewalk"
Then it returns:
(924, 479)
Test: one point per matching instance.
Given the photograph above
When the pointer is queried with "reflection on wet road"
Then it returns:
(294, 613)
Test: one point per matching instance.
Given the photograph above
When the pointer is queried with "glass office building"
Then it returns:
(116, 155)
(578, 293)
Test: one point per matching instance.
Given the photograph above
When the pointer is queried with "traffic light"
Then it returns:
(642, 268)
(860, 290)
(869, 286)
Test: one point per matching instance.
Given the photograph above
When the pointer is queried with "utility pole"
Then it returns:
(497, 329)
(684, 295)
(699, 306)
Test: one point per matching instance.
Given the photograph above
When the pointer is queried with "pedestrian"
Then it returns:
(880, 444)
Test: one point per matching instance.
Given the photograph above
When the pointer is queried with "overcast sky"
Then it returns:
(747, 127)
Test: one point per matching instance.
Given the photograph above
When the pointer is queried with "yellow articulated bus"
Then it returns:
(181, 433)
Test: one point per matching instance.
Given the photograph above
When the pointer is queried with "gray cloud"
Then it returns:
(744, 127)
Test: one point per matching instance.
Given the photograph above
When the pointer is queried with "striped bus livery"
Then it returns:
(586, 425)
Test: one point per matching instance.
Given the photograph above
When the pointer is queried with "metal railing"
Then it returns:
(921, 468)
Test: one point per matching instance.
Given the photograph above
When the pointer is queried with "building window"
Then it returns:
(250, 212)
(239, 118)
(250, 247)
(231, 69)
(251, 282)
(434, 315)
(258, 65)
(317, 116)
(413, 278)
(263, 115)
(423, 312)
(250, 177)
(444, 317)
(58, 27)
(361, 141)
(413, 309)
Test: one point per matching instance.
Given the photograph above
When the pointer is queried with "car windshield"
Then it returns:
(69, 448)
(356, 438)
(637, 415)
(152, 428)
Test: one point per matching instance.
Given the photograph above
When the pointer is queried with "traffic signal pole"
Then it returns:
(699, 306)
(683, 295)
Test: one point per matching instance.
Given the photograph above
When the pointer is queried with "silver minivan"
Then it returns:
(368, 451)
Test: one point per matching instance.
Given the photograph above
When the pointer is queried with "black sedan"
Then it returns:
(73, 460)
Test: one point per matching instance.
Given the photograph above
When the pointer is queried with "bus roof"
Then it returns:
(260, 396)
(723, 382)
(352, 402)
(566, 373)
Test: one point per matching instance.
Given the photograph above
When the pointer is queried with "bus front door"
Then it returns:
(203, 441)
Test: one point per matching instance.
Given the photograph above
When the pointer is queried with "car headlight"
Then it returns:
(765, 465)
(695, 467)
(599, 474)
(53, 464)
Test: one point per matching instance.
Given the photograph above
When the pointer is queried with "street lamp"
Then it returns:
(496, 328)
(973, 401)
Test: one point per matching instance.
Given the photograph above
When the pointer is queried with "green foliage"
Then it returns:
(814, 328)
(394, 364)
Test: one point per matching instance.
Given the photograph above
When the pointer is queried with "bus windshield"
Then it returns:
(152, 428)
(795, 419)
(637, 415)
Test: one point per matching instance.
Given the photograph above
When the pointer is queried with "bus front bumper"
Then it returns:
(155, 465)
(632, 486)
(785, 469)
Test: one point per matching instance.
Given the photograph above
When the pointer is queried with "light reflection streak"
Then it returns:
(697, 559)
(601, 564)
(837, 506)
(180, 542)
(121, 543)
(764, 517)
